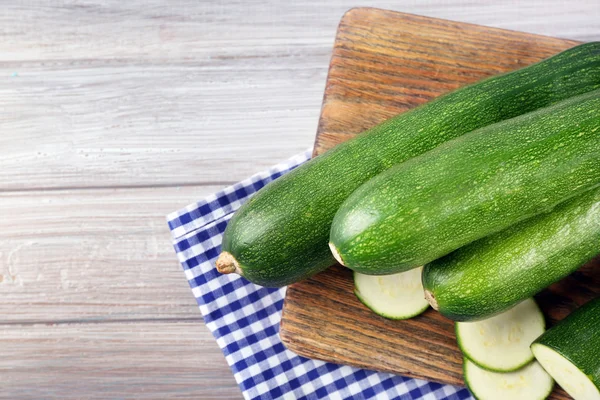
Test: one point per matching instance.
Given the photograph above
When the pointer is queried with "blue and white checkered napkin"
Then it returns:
(244, 318)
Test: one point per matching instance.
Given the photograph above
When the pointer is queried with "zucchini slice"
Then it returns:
(397, 296)
(576, 383)
(501, 343)
(570, 352)
(528, 383)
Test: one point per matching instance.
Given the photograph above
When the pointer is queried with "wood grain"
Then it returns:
(385, 63)
(94, 303)
(92, 256)
(115, 113)
(112, 361)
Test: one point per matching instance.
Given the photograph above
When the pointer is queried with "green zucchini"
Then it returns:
(501, 343)
(397, 296)
(528, 383)
(493, 274)
(470, 187)
(280, 236)
(570, 352)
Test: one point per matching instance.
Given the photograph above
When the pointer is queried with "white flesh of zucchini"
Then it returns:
(577, 384)
(529, 383)
(501, 343)
(397, 296)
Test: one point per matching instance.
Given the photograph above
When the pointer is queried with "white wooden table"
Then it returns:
(114, 113)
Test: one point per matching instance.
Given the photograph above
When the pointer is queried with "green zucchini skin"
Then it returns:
(495, 273)
(577, 338)
(281, 235)
(470, 187)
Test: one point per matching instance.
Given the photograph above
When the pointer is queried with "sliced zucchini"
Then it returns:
(528, 383)
(396, 296)
(577, 384)
(501, 343)
(570, 352)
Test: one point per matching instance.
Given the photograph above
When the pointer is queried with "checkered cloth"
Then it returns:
(244, 318)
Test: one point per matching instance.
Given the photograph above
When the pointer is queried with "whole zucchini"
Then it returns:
(471, 187)
(280, 236)
(570, 352)
(495, 273)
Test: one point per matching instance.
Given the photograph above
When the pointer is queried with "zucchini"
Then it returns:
(501, 343)
(528, 383)
(501, 270)
(470, 187)
(570, 352)
(397, 296)
(280, 236)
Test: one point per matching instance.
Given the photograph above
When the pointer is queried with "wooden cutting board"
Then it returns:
(385, 63)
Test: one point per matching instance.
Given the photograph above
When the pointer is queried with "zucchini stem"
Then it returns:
(336, 254)
(431, 299)
(227, 264)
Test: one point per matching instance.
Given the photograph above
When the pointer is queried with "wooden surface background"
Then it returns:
(114, 113)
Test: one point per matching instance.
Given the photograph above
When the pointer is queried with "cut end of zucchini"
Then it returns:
(501, 343)
(528, 383)
(227, 264)
(396, 296)
(576, 383)
(336, 254)
(431, 300)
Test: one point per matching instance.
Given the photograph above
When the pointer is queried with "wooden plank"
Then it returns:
(180, 29)
(93, 255)
(385, 63)
(101, 126)
(94, 302)
(143, 360)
